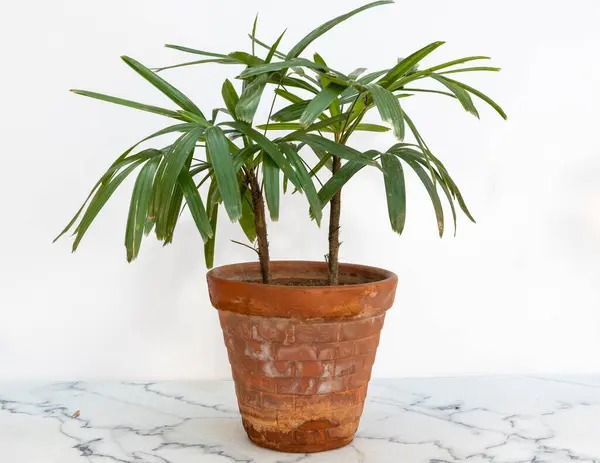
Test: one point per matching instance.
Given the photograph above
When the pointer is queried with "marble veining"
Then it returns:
(474, 420)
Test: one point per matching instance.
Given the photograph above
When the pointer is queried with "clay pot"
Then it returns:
(301, 356)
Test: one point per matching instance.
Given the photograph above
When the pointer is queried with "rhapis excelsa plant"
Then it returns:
(246, 168)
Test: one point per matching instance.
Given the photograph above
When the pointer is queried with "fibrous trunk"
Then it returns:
(334, 230)
(261, 226)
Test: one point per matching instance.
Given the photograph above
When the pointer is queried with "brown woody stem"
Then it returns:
(261, 225)
(334, 230)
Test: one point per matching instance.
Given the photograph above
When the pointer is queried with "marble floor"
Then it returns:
(475, 420)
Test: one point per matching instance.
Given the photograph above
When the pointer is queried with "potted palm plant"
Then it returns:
(301, 336)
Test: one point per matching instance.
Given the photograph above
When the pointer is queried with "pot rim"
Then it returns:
(387, 276)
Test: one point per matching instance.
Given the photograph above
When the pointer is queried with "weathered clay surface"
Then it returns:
(365, 290)
(301, 382)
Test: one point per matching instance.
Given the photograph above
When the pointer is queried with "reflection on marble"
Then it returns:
(475, 420)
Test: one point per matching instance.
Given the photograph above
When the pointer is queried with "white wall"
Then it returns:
(518, 292)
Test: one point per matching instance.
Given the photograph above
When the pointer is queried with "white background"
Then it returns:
(517, 292)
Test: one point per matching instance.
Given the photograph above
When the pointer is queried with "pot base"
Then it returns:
(301, 384)
(279, 443)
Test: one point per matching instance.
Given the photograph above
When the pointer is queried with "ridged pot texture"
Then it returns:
(301, 356)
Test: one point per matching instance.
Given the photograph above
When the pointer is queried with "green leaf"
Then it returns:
(423, 90)
(443, 181)
(320, 103)
(225, 174)
(121, 162)
(325, 125)
(372, 128)
(209, 246)
(272, 186)
(461, 94)
(247, 218)
(407, 64)
(172, 215)
(357, 72)
(298, 126)
(427, 72)
(250, 99)
(167, 175)
(191, 117)
(322, 77)
(287, 81)
(138, 209)
(118, 164)
(285, 126)
(472, 69)
(244, 155)
(149, 226)
(268, 147)
(330, 146)
(341, 177)
(477, 93)
(171, 92)
(395, 190)
(195, 52)
(273, 49)
(430, 187)
(193, 63)
(267, 47)
(195, 204)
(389, 109)
(230, 96)
(129, 103)
(289, 96)
(253, 35)
(324, 160)
(291, 112)
(446, 190)
(306, 184)
(278, 66)
(319, 31)
(99, 200)
(350, 93)
(453, 63)
(246, 58)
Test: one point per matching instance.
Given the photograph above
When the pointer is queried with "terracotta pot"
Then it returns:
(301, 356)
